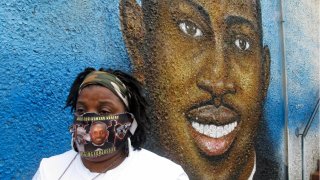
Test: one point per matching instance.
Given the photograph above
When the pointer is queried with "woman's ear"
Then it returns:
(133, 32)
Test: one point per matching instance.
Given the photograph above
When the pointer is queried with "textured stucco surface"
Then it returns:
(44, 44)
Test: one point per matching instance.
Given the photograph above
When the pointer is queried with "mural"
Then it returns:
(226, 95)
(207, 73)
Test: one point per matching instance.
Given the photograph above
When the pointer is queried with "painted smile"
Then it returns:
(213, 129)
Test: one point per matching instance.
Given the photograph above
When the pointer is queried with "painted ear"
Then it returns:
(133, 32)
(266, 69)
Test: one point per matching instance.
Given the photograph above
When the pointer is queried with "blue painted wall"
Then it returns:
(44, 44)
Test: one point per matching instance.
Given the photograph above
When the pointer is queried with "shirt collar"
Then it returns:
(254, 168)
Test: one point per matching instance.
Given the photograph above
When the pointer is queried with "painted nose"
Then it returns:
(216, 87)
(215, 77)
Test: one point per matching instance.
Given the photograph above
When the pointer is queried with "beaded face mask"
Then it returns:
(95, 135)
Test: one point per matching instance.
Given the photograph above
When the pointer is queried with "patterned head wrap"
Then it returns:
(109, 81)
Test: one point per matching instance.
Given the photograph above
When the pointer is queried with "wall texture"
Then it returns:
(302, 65)
(44, 44)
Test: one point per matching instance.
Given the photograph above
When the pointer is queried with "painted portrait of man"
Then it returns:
(207, 73)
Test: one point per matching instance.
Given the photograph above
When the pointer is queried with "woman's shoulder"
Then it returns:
(58, 160)
(66, 155)
(54, 165)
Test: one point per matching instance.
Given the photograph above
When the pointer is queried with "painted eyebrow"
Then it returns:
(238, 20)
(200, 9)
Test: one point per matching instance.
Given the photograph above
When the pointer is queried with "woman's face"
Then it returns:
(100, 100)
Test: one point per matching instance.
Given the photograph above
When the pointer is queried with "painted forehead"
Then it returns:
(230, 12)
(240, 5)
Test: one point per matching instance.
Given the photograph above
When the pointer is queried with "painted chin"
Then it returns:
(212, 129)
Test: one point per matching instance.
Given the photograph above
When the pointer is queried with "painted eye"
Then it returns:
(190, 29)
(242, 44)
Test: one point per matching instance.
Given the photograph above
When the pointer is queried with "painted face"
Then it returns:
(99, 100)
(207, 74)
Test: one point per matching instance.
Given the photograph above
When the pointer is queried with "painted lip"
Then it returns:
(213, 129)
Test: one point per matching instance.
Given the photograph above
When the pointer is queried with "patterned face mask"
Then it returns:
(95, 135)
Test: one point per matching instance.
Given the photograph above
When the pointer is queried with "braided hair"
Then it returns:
(137, 102)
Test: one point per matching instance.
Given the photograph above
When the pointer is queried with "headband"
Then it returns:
(109, 81)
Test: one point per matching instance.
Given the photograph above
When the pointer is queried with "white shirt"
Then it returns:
(139, 165)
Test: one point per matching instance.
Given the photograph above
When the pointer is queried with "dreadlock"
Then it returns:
(137, 102)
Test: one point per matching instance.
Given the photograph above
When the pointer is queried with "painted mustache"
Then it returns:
(209, 114)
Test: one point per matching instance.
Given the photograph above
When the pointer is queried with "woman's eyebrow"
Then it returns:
(105, 102)
(80, 102)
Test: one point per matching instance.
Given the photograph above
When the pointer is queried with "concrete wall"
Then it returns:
(302, 66)
(45, 44)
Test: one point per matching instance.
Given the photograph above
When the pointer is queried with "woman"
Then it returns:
(107, 133)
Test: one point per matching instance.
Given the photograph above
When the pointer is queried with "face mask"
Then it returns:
(95, 135)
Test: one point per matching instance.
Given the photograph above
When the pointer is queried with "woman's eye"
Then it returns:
(190, 29)
(103, 112)
(242, 44)
(80, 111)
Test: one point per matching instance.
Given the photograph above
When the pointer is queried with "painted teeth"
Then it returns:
(214, 131)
